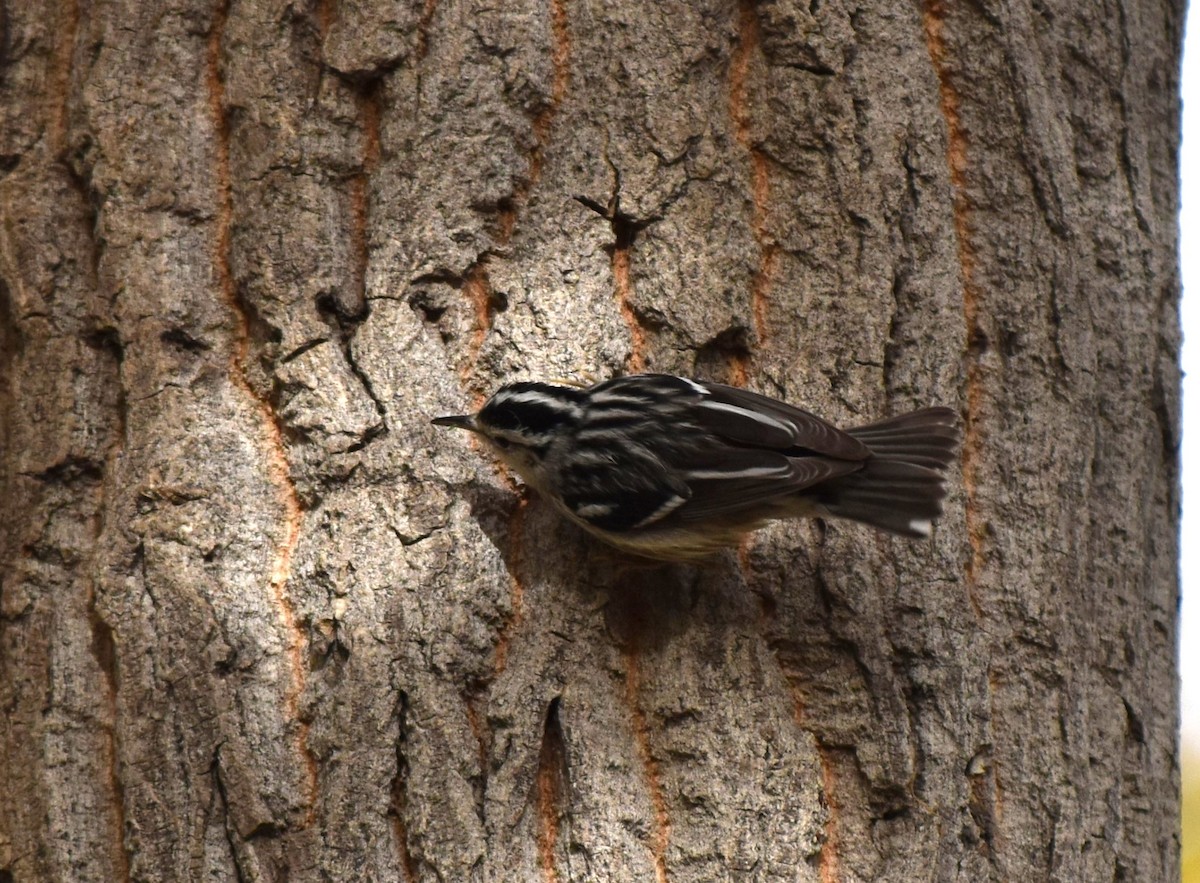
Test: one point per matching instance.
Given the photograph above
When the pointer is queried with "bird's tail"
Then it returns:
(901, 486)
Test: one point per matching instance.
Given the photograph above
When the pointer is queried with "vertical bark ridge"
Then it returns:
(274, 449)
(660, 829)
(477, 285)
(990, 801)
(749, 43)
(104, 649)
(828, 865)
(543, 122)
(934, 19)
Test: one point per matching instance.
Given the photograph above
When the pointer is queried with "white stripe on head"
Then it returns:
(536, 397)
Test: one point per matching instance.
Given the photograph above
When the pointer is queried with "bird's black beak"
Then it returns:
(458, 421)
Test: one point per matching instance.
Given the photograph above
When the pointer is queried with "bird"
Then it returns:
(675, 469)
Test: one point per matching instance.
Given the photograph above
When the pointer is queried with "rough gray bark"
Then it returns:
(260, 621)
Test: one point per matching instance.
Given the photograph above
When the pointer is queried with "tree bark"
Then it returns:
(260, 621)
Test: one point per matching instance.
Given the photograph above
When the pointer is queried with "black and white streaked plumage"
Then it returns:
(672, 468)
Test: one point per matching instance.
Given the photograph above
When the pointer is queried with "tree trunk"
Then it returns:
(260, 621)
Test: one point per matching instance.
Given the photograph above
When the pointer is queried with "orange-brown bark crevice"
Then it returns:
(543, 122)
(59, 94)
(551, 788)
(370, 112)
(399, 797)
(829, 848)
(636, 361)
(957, 144)
(400, 834)
(986, 802)
(625, 229)
(324, 14)
(477, 286)
(828, 867)
(423, 24)
(749, 40)
(277, 465)
(660, 833)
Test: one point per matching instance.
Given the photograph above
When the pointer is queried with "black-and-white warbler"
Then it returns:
(672, 468)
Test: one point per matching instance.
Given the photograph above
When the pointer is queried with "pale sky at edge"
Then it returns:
(1190, 247)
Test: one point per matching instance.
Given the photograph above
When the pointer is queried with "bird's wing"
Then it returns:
(717, 493)
(747, 418)
(658, 447)
(622, 489)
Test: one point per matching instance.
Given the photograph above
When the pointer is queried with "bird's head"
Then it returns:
(521, 423)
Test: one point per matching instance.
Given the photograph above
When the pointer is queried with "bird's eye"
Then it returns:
(501, 442)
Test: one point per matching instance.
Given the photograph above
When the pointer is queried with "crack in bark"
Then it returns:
(828, 863)
(325, 14)
(60, 91)
(278, 466)
(349, 305)
(478, 289)
(230, 833)
(551, 790)
(624, 288)
(981, 799)
(423, 29)
(399, 791)
(57, 125)
(477, 721)
(749, 41)
(107, 341)
(625, 228)
(660, 829)
(934, 19)
(347, 326)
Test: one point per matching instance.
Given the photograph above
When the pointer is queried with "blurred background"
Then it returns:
(1190, 563)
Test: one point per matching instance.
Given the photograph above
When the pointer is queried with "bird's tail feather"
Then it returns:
(901, 487)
